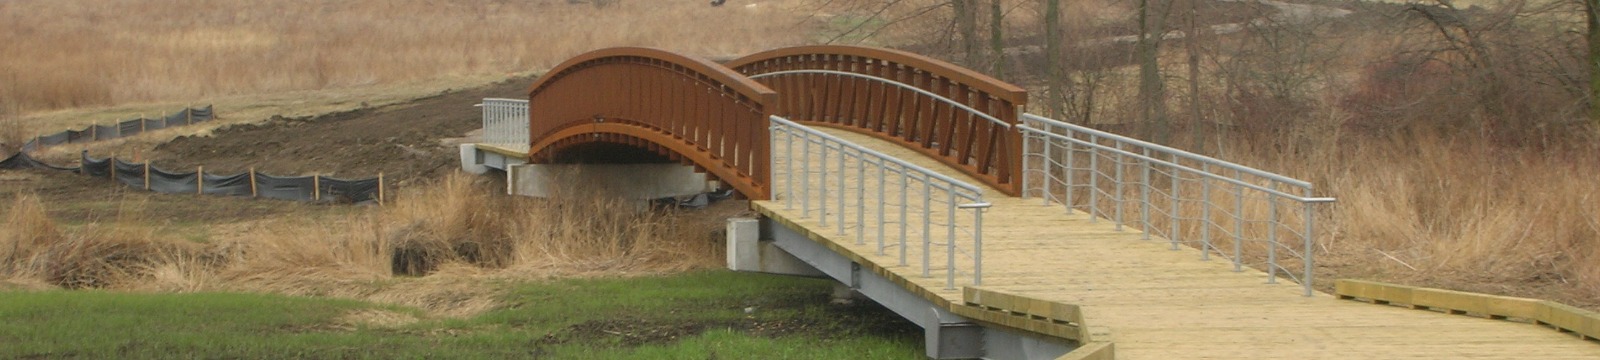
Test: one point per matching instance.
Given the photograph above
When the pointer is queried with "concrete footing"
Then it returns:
(629, 181)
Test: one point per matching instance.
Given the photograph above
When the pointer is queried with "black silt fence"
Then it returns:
(252, 184)
(121, 129)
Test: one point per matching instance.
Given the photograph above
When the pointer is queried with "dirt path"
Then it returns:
(406, 142)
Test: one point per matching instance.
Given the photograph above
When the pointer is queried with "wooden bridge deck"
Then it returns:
(1156, 303)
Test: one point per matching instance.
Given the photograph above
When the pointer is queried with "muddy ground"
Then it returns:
(406, 142)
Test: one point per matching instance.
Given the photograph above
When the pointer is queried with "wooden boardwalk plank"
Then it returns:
(1150, 301)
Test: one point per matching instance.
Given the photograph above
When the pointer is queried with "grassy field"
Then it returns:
(76, 54)
(696, 315)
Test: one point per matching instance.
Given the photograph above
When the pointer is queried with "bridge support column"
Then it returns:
(747, 253)
(767, 246)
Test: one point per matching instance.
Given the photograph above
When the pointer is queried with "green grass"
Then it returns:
(690, 316)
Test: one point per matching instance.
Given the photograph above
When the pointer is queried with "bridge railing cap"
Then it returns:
(1001, 89)
(722, 74)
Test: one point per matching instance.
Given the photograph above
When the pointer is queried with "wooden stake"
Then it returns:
(380, 188)
(93, 135)
(188, 115)
(253, 192)
(113, 164)
(147, 176)
(200, 180)
(316, 187)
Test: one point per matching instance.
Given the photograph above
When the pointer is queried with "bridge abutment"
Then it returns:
(629, 181)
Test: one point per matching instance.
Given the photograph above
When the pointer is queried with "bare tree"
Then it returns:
(1152, 92)
(1591, 16)
(1192, 49)
(1057, 82)
(966, 18)
(997, 40)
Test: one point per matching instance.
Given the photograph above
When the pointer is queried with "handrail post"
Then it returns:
(927, 224)
(1027, 172)
(1238, 223)
(1066, 171)
(823, 179)
(1309, 260)
(1119, 195)
(1175, 221)
(950, 240)
(1205, 214)
(1094, 183)
(805, 175)
(905, 188)
(861, 199)
(1144, 194)
(788, 176)
(1272, 240)
(977, 240)
(842, 188)
(882, 172)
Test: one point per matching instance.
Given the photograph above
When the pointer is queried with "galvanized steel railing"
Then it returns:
(1225, 209)
(505, 123)
(831, 178)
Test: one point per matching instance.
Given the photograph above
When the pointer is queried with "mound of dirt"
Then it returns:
(405, 141)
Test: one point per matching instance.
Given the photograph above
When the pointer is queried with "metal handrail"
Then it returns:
(901, 85)
(1050, 150)
(1137, 156)
(835, 157)
(1162, 148)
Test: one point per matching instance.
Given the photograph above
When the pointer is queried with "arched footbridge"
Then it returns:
(923, 186)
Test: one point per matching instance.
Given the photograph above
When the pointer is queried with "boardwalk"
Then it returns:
(1155, 303)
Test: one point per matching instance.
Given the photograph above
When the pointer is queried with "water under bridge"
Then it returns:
(922, 186)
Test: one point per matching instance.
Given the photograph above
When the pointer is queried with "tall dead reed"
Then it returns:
(461, 219)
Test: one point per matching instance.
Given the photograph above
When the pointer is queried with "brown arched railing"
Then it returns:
(688, 109)
(959, 116)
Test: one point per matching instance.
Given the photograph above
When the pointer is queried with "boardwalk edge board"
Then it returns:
(1097, 350)
(1041, 316)
(1564, 318)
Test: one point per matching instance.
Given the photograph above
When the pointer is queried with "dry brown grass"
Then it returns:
(79, 53)
(460, 220)
(93, 256)
(12, 133)
(1465, 214)
(431, 249)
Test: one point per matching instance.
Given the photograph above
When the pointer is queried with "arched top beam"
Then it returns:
(711, 71)
(751, 65)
